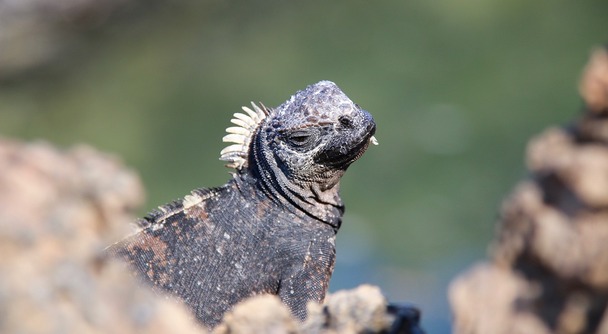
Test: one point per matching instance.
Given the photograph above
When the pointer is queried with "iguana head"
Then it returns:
(305, 144)
(316, 130)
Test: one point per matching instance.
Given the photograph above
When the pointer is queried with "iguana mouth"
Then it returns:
(361, 148)
(335, 158)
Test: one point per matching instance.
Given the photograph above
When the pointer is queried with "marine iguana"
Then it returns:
(272, 227)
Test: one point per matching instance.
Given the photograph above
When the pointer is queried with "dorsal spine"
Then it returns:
(242, 134)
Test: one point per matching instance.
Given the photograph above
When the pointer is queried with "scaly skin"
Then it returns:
(272, 227)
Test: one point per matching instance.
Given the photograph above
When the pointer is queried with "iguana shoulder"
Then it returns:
(156, 218)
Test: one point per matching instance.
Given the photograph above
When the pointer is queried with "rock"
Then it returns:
(548, 271)
(259, 314)
(58, 211)
(488, 288)
(360, 310)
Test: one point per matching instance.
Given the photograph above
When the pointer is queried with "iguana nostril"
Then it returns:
(345, 121)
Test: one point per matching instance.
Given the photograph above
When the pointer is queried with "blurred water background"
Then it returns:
(456, 87)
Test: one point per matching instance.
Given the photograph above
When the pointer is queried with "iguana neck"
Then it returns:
(303, 198)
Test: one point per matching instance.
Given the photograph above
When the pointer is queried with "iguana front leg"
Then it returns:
(309, 280)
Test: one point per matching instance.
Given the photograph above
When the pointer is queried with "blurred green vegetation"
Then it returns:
(457, 88)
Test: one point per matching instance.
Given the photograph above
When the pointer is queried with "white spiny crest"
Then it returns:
(241, 135)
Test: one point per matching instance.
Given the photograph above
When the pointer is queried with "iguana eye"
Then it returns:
(300, 138)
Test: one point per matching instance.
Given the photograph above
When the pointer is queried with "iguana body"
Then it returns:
(271, 228)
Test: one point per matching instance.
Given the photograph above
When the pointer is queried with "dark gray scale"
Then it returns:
(272, 227)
